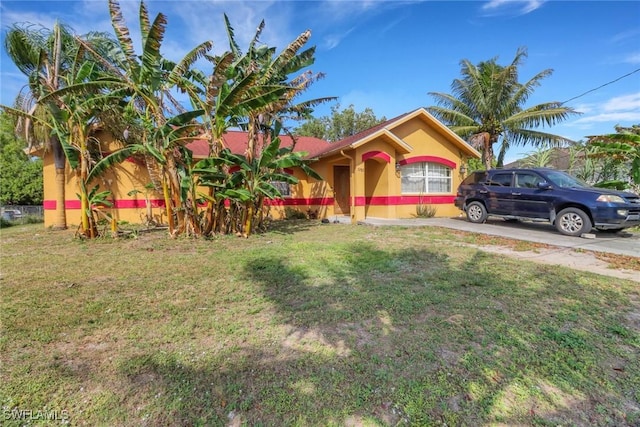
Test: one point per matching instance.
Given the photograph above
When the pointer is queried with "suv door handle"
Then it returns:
(483, 191)
(516, 194)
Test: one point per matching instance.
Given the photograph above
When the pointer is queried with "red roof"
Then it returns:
(338, 145)
(236, 141)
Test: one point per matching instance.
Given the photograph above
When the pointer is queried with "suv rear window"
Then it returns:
(475, 178)
(501, 179)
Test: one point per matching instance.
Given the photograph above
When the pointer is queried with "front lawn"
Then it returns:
(309, 325)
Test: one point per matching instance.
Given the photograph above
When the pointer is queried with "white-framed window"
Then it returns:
(283, 187)
(425, 177)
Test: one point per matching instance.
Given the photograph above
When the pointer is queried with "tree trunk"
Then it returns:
(59, 160)
(487, 152)
(60, 219)
(167, 205)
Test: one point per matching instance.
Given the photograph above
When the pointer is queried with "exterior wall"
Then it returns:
(375, 184)
(119, 180)
(426, 141)
(309, 196)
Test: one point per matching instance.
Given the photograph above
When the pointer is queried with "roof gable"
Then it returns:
(386, 129)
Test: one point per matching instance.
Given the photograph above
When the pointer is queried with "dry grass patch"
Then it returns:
(310, 324)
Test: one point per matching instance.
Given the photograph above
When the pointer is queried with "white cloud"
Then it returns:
(632, 58)
(623, 103)
(584, 108)
(627, 116)
(333, 40)
(625, 35)
(601, 118)
(9, 17)
(522, 7)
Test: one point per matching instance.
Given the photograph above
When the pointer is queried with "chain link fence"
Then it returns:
(22, 214)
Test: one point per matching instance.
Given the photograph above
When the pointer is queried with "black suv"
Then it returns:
(546, 195)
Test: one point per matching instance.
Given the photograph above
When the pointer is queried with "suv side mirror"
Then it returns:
(544, 185)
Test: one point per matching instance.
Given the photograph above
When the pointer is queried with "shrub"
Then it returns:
(290, 213)
(426, 211)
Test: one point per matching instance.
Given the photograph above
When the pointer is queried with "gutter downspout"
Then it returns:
(352, 184)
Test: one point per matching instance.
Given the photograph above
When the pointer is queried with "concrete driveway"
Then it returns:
(539, 232)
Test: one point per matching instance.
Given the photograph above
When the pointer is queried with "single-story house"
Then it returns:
(387, 171)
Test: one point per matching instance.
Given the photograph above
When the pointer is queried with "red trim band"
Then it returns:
(403, 200)
(316, 201)
(50, 205)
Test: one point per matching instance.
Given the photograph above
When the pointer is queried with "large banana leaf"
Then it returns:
(181, 69)
(123, 36)
(115, 158)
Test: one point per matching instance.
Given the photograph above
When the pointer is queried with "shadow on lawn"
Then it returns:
(291, 226)
(391, 337)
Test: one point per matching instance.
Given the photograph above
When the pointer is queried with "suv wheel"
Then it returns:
(476, 212)
(573, 222)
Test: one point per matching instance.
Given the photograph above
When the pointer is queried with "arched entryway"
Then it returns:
(376, 183)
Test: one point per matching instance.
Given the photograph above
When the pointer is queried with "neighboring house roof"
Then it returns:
(560, 158)
(236, 141)
(385, 129)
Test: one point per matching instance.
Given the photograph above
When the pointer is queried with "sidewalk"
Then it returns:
(539, 232)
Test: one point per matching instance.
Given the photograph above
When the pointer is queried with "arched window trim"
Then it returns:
(381, 155)
(428, 159)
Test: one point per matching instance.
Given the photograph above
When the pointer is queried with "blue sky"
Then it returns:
(388, 55)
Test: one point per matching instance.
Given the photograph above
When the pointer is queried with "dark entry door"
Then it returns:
(342, 194)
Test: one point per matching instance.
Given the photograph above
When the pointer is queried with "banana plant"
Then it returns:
(623, 146)
(145, 83)
(252, 180)
(93, 201)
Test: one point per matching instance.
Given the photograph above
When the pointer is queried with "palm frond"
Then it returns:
(185, 63)
(122, 32)
(535, 138)
(218, 77)
(546, 114)
(113, 159)
(287, 59)
(235, 49)
(151, 57)
(145, 23)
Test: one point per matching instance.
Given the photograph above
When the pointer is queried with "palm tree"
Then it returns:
(488, 106)
(43, 56)
(52, 60)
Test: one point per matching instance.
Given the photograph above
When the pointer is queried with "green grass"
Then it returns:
(309, 324)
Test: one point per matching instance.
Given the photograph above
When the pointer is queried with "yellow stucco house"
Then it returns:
(387, 171)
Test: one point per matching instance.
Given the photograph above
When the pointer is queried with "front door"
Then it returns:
(341, 191)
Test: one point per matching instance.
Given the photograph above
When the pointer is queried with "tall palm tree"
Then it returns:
(50, 110)
(42, 55)
(487, 106)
